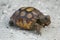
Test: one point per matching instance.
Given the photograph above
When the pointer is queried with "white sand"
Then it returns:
(50, 7)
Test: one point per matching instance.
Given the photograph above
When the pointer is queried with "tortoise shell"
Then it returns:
(29, 18)
(25, 17)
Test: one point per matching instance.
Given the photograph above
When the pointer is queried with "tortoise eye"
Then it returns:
(47, 17)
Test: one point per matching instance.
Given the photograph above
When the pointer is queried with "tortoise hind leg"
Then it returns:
(11, 23)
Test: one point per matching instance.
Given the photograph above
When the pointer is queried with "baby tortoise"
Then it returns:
(29, 18)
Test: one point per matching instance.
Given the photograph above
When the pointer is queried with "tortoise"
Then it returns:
(29, 18)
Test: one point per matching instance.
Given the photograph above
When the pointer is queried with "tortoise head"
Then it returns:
(44, 21)
(47, 20)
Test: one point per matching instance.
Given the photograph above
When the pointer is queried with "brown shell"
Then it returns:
(25, 17)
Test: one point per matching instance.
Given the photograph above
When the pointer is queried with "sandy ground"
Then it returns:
(50, 7)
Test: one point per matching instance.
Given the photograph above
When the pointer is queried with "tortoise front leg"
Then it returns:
(38, 28)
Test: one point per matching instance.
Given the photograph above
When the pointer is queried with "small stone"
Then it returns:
(24, 33)
(45, 30)
(54, 39)
(7, 27)
(9, 6)
(3, 4)
(2, 13)
(11, 33)
(53, 27)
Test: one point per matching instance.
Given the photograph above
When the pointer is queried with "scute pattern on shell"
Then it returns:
(29, 18)
(25, 17)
